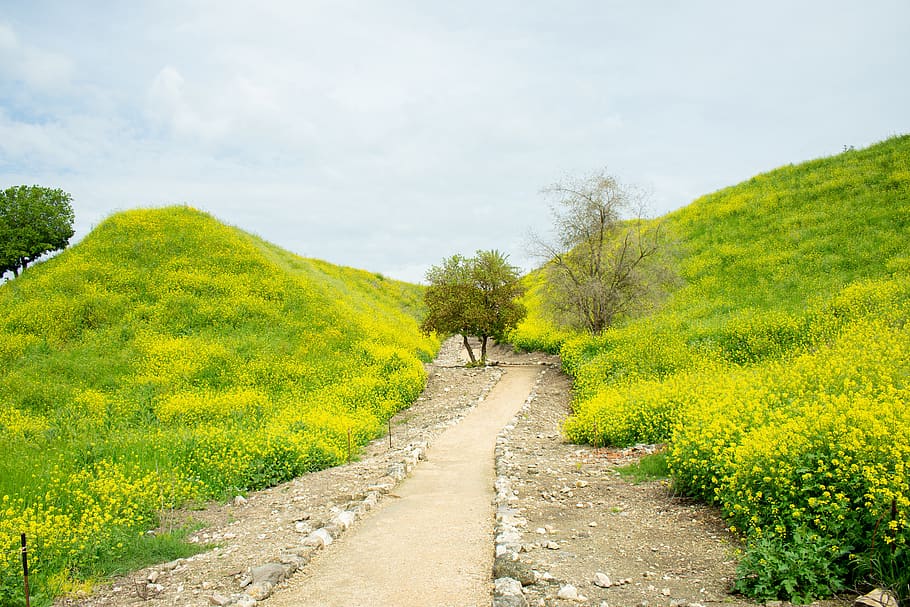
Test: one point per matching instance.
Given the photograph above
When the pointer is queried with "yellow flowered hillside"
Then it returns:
(779, 372)
(168, 358)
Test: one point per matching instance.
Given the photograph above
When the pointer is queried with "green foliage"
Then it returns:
(474, 297)
(33, 221)
(168, 358)
(779, 372)
(795, 569)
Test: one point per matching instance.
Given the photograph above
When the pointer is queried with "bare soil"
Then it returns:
(583, 518)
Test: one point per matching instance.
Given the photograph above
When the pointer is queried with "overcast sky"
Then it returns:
(387, 135)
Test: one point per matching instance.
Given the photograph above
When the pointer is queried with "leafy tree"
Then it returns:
(33, 221)
(474, 297)
(599, 265)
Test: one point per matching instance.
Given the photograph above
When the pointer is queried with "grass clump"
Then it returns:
(651, 467)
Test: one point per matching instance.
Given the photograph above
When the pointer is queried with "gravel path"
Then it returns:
(433, 543)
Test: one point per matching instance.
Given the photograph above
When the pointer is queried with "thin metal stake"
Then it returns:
(25, 570)
(349, 445)
(390, 433)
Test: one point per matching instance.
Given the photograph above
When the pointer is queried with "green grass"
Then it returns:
(168, 359)
(649, 468)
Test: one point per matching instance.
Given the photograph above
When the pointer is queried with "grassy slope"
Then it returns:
(779, 373)
(169, 357)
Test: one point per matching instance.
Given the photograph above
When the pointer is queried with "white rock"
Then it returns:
(319, 538)
(602, 580)
(239, 500)
(344, 519)
(552, 546)
(568, 593)
(541, 531)
(506, 586)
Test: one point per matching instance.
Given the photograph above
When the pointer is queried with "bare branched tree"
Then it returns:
(598, 262)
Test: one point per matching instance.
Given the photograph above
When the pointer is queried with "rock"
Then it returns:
(506, 586)
(218, 599)
(602, 580)
(541, 531)
(318, 539)
(877, 598)
(510, 601)
(260, 590)
(568, 593)
(239, 500)
(505, 567)
(153, 576)
(273, 573)
(243, 600)
(344, 519)
(552, 546)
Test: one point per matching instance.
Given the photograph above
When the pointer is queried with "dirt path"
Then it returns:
(433, 545)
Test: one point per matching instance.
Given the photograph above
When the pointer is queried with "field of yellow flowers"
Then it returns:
(168, 358)
(779, 373)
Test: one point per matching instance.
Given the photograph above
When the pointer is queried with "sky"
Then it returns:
(388, 135)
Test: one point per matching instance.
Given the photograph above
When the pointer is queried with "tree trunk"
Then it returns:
(483, 349)
(467, 346)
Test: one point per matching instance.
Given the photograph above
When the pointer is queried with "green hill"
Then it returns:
(168, 358)
(779, 373)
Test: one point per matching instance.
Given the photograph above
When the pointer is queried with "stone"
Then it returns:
(319, 539)
(568, 592)
(506, 586)
(665, 592)
(218, 599)
(260, 590)
(602, 580)
(505, 567)
(877, 598)
(273, 573)
(244, 600)
(510, 601)
(552, 546)
(344, 519)
(239, 500)
(153, 576)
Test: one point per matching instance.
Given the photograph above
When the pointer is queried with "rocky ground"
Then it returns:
(571, 528)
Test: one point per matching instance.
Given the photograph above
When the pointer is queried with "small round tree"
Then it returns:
(474, 296)
(33, 221)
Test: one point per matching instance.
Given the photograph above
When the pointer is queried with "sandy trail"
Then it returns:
(433, 546)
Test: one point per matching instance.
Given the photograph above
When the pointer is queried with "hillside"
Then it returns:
(779, 373)
(169, 358)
